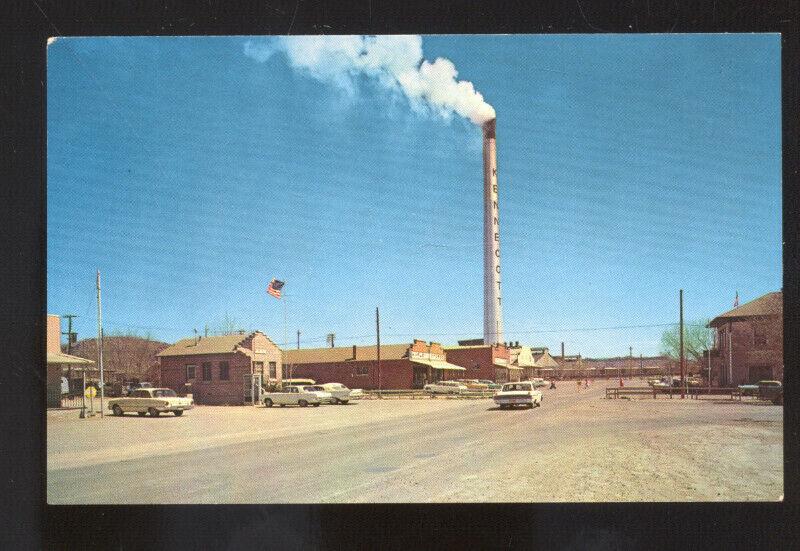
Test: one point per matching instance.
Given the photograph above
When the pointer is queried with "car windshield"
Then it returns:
(315, 388)
(517, 386)
(164, 393)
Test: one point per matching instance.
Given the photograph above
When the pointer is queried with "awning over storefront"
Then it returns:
(497, 364)
(60, 358)
(438, 364)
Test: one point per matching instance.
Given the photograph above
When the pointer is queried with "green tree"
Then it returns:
(696, 338)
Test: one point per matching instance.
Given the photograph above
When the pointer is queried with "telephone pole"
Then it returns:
(69, 331)
(683, 390)
(630, 361)
(69, 348)
(378, 328)
(298, 339)
(100, 345)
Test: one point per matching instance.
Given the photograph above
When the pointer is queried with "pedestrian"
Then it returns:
(552, 385)
(586, 383)
(621, 384)
(579, 385)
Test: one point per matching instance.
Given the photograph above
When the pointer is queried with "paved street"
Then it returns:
(576, 447)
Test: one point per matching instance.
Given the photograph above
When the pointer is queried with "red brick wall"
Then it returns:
(53, 333)
(747, 355)
(216, 391)
(469, 358)
(395, 374)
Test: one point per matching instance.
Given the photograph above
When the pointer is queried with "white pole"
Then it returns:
(730, 356)
(100, 344)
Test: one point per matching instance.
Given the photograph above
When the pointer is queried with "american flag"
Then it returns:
(736, 300)
(274, 288)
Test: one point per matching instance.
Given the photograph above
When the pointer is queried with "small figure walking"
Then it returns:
(586, 383)
(621, 384)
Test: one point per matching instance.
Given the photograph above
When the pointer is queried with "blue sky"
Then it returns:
(629, 166)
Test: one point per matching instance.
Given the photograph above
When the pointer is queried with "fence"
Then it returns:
(692, 392)
(417, 394)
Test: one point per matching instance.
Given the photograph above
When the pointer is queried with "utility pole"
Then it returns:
(298, 339)
(331, 337)
(69, 347)
(205, 333)
(378, 328)
(69, 331)
(100, 345)
(683, 367)
(630, 361)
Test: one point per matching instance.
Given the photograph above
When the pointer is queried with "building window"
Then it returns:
(759, 336)
(273, 370)
(206, 371)
(362, 370)
(224, 371)
(191, 372)
(258, 367)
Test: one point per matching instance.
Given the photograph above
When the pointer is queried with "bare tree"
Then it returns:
(228, 326)
(696, 338)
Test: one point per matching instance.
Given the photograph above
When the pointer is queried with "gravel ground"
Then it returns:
(577, 447)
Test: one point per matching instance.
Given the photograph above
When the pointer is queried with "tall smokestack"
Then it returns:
(492, 302)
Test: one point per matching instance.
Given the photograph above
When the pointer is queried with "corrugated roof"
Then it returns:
(345, 353)
(205, 345)
(770, 304)
(544, 360)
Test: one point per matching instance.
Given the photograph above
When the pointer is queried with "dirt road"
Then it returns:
(576, 447)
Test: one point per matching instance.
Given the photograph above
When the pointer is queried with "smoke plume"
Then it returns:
(395, 63)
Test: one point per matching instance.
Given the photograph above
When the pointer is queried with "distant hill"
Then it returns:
(128, 355)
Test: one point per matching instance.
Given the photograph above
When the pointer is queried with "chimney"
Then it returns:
(492, 304)
(354, 352)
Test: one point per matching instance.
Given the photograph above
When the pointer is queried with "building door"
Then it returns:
(252, 384)
(420, 376)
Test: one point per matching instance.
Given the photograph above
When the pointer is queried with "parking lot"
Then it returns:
(577, 447)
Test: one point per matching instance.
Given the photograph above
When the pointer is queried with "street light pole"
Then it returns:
(683, 390)
(100, 345)
(378, 328)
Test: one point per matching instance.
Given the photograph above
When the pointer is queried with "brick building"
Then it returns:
(403, 366)
(58, 362)
(484, 361)
(218, 370)
(748, 342)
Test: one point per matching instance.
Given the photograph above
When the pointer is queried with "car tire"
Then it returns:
(141, 413)
(302, 403)
(153, 412)
(178, 412)
(334, 401)
(268, 403)
(343, 402)
(117, 410)
(316, 405)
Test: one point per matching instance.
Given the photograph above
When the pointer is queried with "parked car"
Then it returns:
(473, 384)
(491, 385)
(764, 390)
(154, 401)
(291, 396)
(340, 394)
(445, 387)
(539, 382)
(324, 396)
(518, 394)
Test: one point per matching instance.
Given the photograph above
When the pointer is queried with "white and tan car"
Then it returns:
(340, 394)
(518, 394)
(291, 395)
(445, 387)
(154, 401)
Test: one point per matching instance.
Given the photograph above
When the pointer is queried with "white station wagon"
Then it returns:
(154, 401)
(445, 387)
